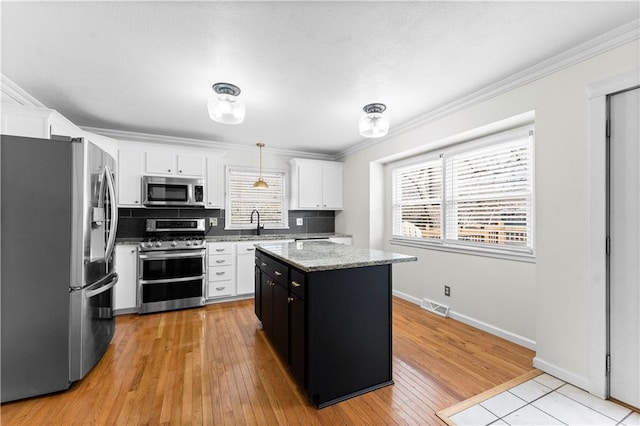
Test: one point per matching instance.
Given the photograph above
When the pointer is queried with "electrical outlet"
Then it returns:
(299, 221)
(213, 221)
(447, 290)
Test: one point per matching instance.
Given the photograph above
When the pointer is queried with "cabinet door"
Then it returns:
(190, 165)
(310, 186)
(332, 183)
(214, 182)
(266, 292)
(281, 321)
(258, 297)
(129, 178)
(160, 163)
(244, 267)
(126, 262)
(296, 339)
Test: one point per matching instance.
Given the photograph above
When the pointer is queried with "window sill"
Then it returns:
(483, 252)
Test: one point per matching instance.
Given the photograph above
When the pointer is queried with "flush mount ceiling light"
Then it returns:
(224, 105)
(372, 124)
(260, 183)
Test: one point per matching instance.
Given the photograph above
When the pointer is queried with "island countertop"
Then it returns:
(311, 256)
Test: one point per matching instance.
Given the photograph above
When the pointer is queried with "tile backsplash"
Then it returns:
(131, 222)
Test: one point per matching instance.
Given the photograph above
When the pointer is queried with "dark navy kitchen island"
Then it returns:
(327, 310)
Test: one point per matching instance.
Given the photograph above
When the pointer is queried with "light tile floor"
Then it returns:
(546, 400)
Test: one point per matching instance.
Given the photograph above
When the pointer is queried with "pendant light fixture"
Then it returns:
(224, 105)
(372, 124)
(260, 183)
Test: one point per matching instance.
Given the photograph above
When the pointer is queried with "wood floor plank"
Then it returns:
(214, 365)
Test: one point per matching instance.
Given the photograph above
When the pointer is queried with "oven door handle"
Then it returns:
(102, 289)
(156, 256)
(172, 280)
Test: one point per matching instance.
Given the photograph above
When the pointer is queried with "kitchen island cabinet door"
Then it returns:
(281, 321)
(258, 293)
(297, 339)
(266, 303)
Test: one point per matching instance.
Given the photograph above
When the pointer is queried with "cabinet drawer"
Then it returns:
(220, 273)
(220, 288)
(221, 248)
(276, 270)
(297, 283)
(220, 260)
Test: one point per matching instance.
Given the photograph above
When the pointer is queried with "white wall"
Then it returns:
(545, 302)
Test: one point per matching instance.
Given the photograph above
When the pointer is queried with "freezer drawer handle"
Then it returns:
(102, 289)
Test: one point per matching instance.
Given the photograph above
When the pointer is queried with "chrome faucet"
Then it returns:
(258, 226)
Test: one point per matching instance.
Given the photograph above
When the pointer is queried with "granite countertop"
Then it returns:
(242, 238)
(312, 256)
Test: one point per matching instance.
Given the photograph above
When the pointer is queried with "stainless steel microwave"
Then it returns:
(172, 191)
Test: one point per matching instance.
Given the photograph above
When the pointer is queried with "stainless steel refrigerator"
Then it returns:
(58, 221)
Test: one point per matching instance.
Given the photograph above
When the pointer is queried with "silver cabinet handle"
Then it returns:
(220, 288)
(289, 299)
(264, 264)
(220, 250)
(278, 274)
(250, 248)
(295, 284)
(220, 273)
(220, 261)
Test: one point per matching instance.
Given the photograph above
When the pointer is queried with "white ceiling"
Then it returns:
(306, 69)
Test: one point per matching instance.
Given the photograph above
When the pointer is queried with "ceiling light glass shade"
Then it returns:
(373, 124)
(224, 105)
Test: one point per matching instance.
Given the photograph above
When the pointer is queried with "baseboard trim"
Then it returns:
(496, 331)
(561, 373)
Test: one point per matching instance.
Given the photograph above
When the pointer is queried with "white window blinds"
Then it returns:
(417, 200)
(243, 198)
(478, 195)
(489, 195)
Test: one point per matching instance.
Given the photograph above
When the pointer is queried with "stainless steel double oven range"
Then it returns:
(172, 265)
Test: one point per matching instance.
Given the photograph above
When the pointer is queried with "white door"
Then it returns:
(624, 231)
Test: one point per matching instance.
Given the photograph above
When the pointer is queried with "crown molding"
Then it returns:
(594, 47)
(123, 135)
(17, 94)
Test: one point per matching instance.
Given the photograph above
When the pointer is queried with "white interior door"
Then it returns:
(624, 231)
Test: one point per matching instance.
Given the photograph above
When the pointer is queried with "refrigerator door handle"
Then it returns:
(111, 187)
(102, 289)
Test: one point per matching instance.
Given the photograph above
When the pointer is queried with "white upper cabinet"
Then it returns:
(214, 182)
(137, 160)
(160, 163)
(130, 163)
(316, 185)
(171, 164)
(34, 122)
(190, 165)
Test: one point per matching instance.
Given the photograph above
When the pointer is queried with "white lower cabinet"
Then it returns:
(245, 262)
(127, 268)
(221, 270)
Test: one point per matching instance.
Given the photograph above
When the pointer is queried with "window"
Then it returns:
(477, 195)
(243, 198)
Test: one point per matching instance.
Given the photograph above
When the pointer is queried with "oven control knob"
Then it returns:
(149, 244)
(158, 244)
(174, 243)
(188, 243)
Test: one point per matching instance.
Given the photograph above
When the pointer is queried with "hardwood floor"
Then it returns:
(214, 365)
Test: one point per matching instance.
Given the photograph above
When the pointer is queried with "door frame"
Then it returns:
(598, 380)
